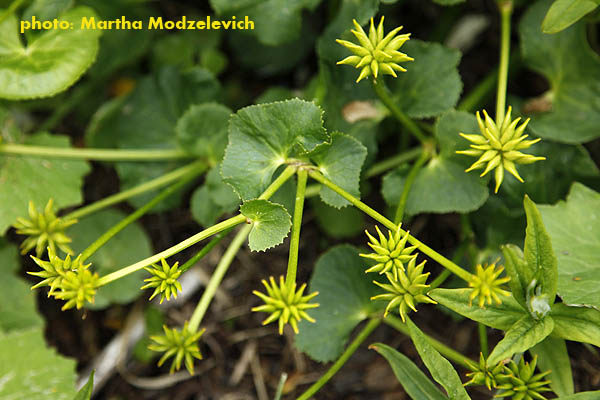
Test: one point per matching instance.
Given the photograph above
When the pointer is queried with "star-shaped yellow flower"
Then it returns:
(375, 53)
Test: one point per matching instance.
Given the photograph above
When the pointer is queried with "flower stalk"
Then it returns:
(297, 224)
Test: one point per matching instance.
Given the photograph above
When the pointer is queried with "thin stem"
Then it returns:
(276, 184)
(480, 92)
(228, 223)
(441, 278)
(280, 386)
(115, 229)
(384, 95)
(483, 339)
(94, 154)
(362, 335)
(412, 175)
(217, 277)
(221, 226)
(205, 250)
(446, 263)
(290, 278)
(197, 167)
(506, 7)
(389, 163)
(444, 350)
(11, 9)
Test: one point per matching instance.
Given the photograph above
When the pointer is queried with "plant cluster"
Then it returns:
(250, 170)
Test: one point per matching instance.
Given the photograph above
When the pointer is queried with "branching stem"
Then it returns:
(194, 168)
(290, 278)
(446, 263)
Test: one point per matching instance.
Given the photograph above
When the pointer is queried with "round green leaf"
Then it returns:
(270, 223)
(51, 63)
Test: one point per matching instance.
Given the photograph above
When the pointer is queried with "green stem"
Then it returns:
(441, 278)
(217, 277)
(109, 234)
(480, 92)
(197, 167)
(290, 278)
(385, 97)
(221, 226)
(506, 7)
(377, 168)
(11, 9)
(412, 175)
(205, 250)
(444, 350)
(455, 269)
(362, 335)
(228, 223)
(280, 386)
(483, 339)
(389, 163)
(94, 154)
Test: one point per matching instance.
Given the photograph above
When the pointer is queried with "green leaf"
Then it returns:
(523, 335)
(515, 265)
(431, 85)
(159, 101)
(539, 256)
(582, 396)
(574, 227)
(341, 162)
(552, 355)
(573, 70)
(441, 370)
(579, 324)
(26, 178)
(413, 380)
(128, 246)
(344, 293)
(274, 23)
(46, 10)
(343, 223)
(18, 308)
(564, 13)
(31, 370)
(270, 223)
(442, 186)
(202, 130)
(501, 316)
(213, 199)
(49, 64)
(266, 136)
(85, 393)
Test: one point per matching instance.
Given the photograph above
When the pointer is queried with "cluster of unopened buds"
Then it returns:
(285, 303)
(70, 279)
(405, 285)
(517, 381)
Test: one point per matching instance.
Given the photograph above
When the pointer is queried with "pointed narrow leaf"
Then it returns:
(85, 393)
(413, 380)
(441, 370)
(270, 223)
(515, 266)
(579, 324)
(564, 13)
(523, 335)
(539, 254)
(552, 355)
(501, 316)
